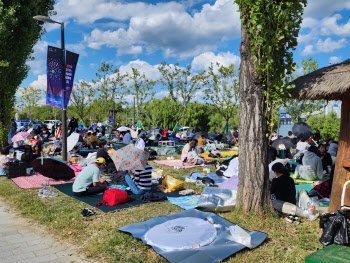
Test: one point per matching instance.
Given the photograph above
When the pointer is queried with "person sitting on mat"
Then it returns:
(140, 181)
(4, 159)
(110, 167)
(87, 182)
(283, 195)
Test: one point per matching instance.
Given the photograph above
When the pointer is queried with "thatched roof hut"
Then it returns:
(332, 83)
(328, 83)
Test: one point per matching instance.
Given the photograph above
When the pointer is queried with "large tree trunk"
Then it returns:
(253, 186)
(342, 165)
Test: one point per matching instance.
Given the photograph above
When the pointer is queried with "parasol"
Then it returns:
(123, 129)
(129, 158)
(21, 136)
(302, 131)
(53, 168)
(277, 144)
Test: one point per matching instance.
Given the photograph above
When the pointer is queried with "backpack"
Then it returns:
(113, 197)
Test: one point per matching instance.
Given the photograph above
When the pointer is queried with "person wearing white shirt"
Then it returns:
(127, 138)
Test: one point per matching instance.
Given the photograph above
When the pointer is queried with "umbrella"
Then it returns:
(287, 143)
(123, 129)
(212, 135)
(155, 132)
(199, 134)
(129, 158)
(294, 141)
(30, 130)
(302, 131)
(72, 141)
(94, 126)
(53, 168)
(21, 136)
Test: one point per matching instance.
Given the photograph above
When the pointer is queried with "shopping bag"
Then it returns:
(172, 183)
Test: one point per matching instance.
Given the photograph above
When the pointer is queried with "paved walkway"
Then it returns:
(21, 242)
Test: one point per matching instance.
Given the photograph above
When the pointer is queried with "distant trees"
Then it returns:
(222, 90)
(329, 125)
(30, 98)
(298, 109)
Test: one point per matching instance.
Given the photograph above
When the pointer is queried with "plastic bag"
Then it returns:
(336, 228)
(241, 236)
(172, 183)
(311, 205)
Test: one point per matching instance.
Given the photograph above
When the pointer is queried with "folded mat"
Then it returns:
(185, 202)
(94, 199)
(38, 180)
(173, 163)
(217, 179)
(219, 249)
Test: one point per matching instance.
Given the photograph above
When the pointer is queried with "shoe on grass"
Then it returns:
(296, 220)
(87, 213)
(289, 219)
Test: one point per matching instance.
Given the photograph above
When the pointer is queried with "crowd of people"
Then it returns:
(311, 159)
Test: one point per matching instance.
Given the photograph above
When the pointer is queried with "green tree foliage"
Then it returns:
(103, 84)
(140, 87)
(80, 101)
(273, 27)
(223, 90)
(19, 32)
(182, 86)
(30, 98)
(328, 125)
(298, 109)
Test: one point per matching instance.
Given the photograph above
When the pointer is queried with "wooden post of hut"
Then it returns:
(332, 83)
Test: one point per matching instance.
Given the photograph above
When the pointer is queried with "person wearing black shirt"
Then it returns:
(45, 135)
(325, 156)
(271, 154)
(283, 195)
(110, 166)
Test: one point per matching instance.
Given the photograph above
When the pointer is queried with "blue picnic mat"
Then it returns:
(185, 202)
(218, 250)
(307, 187)
(217, 179)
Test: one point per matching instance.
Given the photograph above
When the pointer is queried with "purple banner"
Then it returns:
(71, 62)
(54, 76)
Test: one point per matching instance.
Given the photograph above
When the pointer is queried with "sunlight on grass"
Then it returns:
(99, 238)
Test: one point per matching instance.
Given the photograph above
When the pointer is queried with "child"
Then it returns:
(4, 159)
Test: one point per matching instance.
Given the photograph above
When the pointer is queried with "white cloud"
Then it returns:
(334, 59)
(204, 60)
(161, 94)
(151, 71)
(40, 83)
(172, 30)
(322, 8)
(326, 46)
(330, 26)
(329, 45)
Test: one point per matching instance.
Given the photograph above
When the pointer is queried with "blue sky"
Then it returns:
(141, 34)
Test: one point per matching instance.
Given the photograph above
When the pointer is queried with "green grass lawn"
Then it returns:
(99, 238)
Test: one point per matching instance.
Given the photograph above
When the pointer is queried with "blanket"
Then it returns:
(185, 202)
(173, 163)
(38, 180)
(94, 199)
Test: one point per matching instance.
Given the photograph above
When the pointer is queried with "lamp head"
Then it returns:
(45, 19)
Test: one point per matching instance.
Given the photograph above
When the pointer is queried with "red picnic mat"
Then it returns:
(38, 180)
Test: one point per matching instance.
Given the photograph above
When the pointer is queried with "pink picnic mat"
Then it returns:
(173, 163)
(26, 182)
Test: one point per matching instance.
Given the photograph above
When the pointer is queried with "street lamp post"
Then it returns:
(64, 110)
